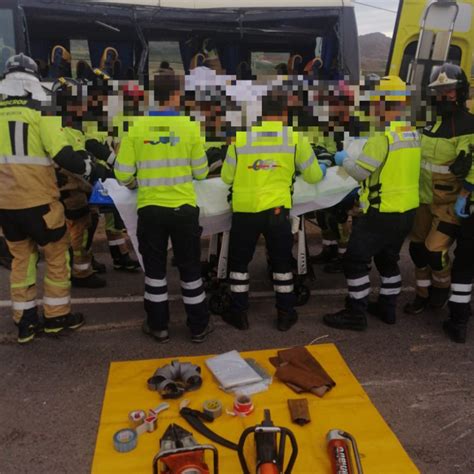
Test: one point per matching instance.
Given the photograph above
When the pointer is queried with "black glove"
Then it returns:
(99, 171)
(462, 165)
(323, 155)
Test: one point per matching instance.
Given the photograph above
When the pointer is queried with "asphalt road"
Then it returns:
(51, 391)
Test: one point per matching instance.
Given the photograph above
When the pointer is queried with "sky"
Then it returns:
(370, 20)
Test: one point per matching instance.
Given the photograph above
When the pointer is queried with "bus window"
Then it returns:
(265, 62)
(79, 52)
(7, 36)
(454, 56)
(164, 51)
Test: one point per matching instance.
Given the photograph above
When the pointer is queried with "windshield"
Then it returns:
(7, 36)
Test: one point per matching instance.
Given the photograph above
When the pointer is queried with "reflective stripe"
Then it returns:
(194, 299)
(168, 163)
(124, 168)
(239, 288)
(359, 294)
(155, 282)
(463, 287)
(390, 291)
(404, 145)
(435, 168)
(460, 298)
(392, 279)
(191, 285)
(81, 266)
(23, 305)
(156, 298)
(283, 289)
(111, 158)
(58, 284)
(441, 279)
(165, 181)
(25, 160)
(358, 281)
(265, 149)
(423, 283)
(230, 160)
(368, 160)
(113, 243)
(56, 301)
(282, 276)
(199, 162)
(239, 276)
(307, 163)
(329, 242)
(341, 250)
(200, 172)
(19, 143)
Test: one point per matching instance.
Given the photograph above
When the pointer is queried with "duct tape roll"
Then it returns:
(243, 405)
(125, 440)
(136, 417)
(212, 408)
(151, 423)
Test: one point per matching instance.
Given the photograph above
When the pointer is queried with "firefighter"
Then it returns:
(436, 225)
(162, 154)
(260, 169)
(31, 214)
(389, 169)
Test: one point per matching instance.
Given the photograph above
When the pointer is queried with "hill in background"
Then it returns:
(374, 49)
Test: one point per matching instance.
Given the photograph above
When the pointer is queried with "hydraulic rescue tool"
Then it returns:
(269, 449)
(339, 443)
(180, 453)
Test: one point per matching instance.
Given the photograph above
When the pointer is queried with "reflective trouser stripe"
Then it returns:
(47, 300)
(283, 282)
(156, 298)
(391, 285)
(342, 250)
(82, 258)
(328, 243)
(283, 288)
(194, 299)
(239, 282)
(116, 242)
(239, 276)
(81, 266)
(23, 305)
(461, 293)
(423, 283)
(155, 282)
(359, 288)
(191, 285)
(358, 295)
(460, 298)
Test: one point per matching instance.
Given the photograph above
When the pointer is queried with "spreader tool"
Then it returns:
(339, 449)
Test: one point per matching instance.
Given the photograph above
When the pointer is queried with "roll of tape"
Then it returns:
(151, 423)
(136, 417)
(243, 405)
(212, 408)
(125, 440)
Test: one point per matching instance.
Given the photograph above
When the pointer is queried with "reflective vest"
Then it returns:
(394, 185)
(28, 141)
(164, 153)
(261, 167)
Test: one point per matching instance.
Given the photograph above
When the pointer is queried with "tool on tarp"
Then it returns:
(339, 449)
(270, 450)
(180, 453)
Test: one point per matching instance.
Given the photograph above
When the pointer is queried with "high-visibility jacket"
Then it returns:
(28, 141)
(262, 164)
(393, 160)
(441, 143)
(164, 153)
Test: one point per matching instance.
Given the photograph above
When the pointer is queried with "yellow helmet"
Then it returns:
(390, 88)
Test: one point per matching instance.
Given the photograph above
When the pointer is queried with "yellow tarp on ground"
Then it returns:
(346, 407)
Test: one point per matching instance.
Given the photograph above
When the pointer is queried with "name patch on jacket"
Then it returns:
(258, 165)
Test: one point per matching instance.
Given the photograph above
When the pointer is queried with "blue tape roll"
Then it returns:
(125, 440)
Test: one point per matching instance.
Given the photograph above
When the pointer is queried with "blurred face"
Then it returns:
(445, 94)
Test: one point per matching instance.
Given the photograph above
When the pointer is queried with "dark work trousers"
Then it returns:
(156, 225)
(275, 226)
(462, 273)
(379, 236)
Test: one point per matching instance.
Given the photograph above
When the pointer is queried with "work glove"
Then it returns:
(340, 156)
(324, 169)
(323, 155)
(462, 165)
(96, 171)
(460, 207)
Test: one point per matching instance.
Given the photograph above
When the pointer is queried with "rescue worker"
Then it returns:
(436, 225)
(260, 168)
(162, 154)
(388, 168)
(31, 214)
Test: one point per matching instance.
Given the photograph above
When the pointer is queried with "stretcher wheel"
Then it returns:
(302, 294)
(219, 302)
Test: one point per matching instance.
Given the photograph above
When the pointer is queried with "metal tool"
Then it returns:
(180, 453)
(339, 449)
(269, 449)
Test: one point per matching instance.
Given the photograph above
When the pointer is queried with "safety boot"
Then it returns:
(328, 254)
(417, 306)
(126, 263)
(92, 281)
(202, 336)
(238, 320)
(160, 336)
(385, 309)
(456, 331)
(286, 319)
(438, 297)
(29, 326)
(334, 267)
(351, 317)
(98, 267)
(58, 324)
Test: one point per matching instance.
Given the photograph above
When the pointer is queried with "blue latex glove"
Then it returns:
(460, 207)
(324, 168)
(340, 156)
